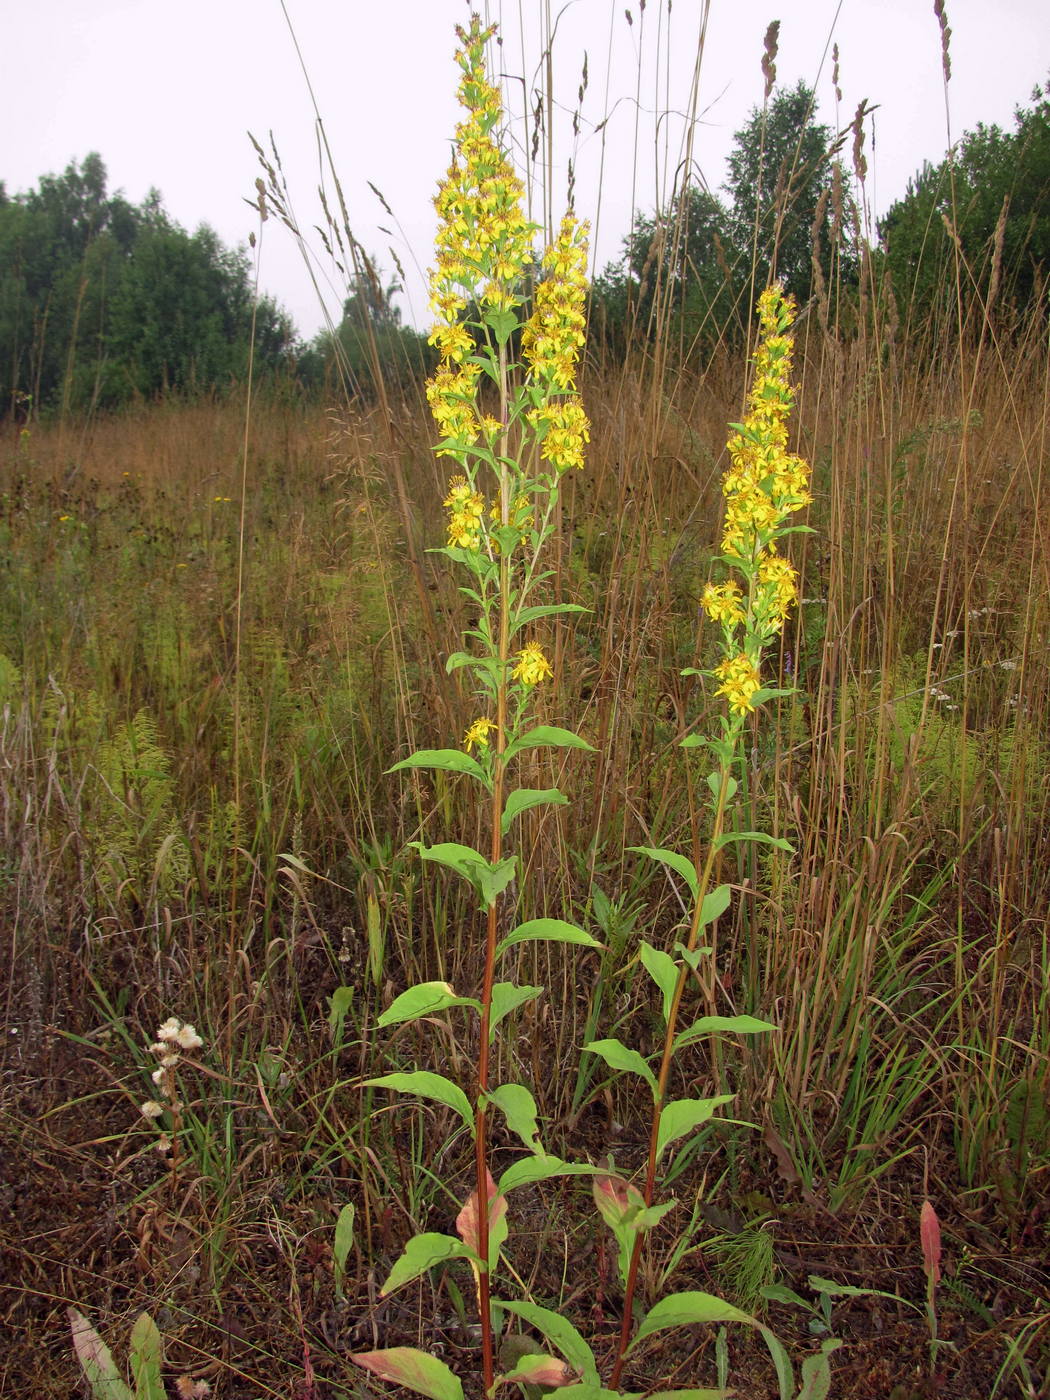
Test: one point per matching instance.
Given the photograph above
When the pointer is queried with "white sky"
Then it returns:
(167, 93)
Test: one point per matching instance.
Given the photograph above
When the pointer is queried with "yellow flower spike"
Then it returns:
(533, 667)
(477, 736)
(723, 603)
(554, 333)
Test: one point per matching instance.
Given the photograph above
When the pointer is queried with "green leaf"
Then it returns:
(429, 1086)
(681, 1116)
(489, 880)
(685, 1310)
(541, 1168)
(448, 760)
(413, 1369)
(561, 1333)
(763, 838)
(96, 1360)
(503, 323)
(682, 865)
(339, 1004)
(421, 1253)
(342, 1245)
(523, 798)
(546, 736)
(716, 1025)
(547, 931)
(528, 615)
(663, 969)
(761, 696)
(690, 1395)
(715, 904)
(714, 782)
(505, 998)
(423, 1000)
(619, 1056)
(146, 1359)
(816, 1373)
(519, 1108)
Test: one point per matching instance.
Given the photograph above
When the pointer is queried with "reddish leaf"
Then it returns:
(542, 1369)
(467, 1220)
(930, 1235)
(413, 1369)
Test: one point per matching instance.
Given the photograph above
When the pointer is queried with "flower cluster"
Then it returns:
(532, 666)
(174, 1039)
(740, 680)
(466, 508)
(477, 736)
(483, 243)
(764, 485)
(551, 342)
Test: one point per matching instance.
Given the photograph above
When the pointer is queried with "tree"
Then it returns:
(100, 300)
(672, 279)
(993, 192)
(781, 182)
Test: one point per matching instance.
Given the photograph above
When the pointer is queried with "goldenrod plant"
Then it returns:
(511, 423)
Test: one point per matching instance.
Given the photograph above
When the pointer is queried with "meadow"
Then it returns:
(223, 622)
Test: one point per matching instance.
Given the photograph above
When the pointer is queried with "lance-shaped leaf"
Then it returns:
(692, 1395)
(546, 931)
(423, 1000)
(546, 736)
(421, 1253)
(506, 997)
(716, 1025)
(675, 861)
(533, 614)
(147, 1356)
(560, 1333)
(762, 838)
(523, 798)
(429, 1086)
(468, 1223)
(663, 969)
(96, 1361)
(681, 1116)
(518, 1106)
(619, 1056)
(342, 1245)
(685, 1310)
(688, 1309)
(543, 1167)
(447, 760)
(489, 879)
(413, 1369)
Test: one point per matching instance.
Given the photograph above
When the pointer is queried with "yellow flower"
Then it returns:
(723, 603)
(466, 508)
(740, 679)
(554, 333)
(478, 734)
(532, 666)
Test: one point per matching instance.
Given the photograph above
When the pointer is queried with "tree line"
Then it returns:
(103, 302)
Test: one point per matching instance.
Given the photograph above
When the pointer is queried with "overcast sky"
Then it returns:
(167, 94)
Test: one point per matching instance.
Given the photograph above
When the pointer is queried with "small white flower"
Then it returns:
(159, 1076)
(170, 1029)
(159, 1048)
(151, 1109)
(188, 1038)
(1010, 665)
(163, 1144)
(169, 1061)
